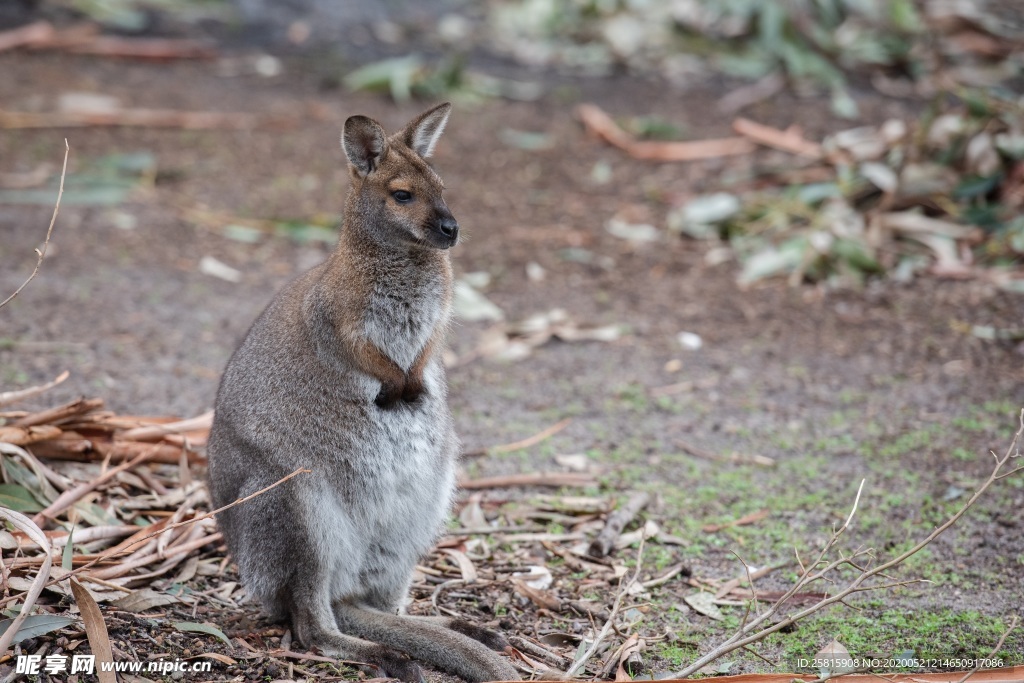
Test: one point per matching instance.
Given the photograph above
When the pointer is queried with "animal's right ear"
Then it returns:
(364, 143)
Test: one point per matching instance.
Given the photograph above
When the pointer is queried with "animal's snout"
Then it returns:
(448, 227)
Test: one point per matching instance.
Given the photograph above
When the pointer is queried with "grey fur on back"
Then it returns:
(334, 550)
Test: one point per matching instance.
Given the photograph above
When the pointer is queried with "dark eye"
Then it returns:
(402, 196)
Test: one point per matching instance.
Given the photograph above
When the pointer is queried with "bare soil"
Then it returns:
(835, 386)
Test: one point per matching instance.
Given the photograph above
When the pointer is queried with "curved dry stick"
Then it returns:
(46, 242)
(25, 524)
(9, 397)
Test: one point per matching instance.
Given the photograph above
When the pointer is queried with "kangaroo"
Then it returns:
(341, 375)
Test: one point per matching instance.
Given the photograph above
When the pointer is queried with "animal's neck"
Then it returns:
(369, 284)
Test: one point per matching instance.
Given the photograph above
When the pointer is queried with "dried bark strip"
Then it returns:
(617, 521)
(59, 414)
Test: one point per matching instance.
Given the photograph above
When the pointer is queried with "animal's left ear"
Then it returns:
(422, 133)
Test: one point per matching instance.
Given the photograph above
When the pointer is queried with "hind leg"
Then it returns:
(314, 625)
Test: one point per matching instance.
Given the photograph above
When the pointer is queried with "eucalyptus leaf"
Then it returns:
(36, 625)
(18, 498)
(67, 555)
(208, 629)
(774, 260)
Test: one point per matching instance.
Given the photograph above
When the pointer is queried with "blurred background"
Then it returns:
(751, 250)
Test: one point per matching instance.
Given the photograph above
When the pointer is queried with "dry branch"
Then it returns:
(46, 243)
(742, 521)
(597, 122)
(617, 521)
(155, 49)
(522, 443)
(31, 34)
(10, 397)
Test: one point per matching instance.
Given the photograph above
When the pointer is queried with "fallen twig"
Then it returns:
(10, 397)
(704, 454)
(155, 49)
(616, 522)
(147, 433)
(790, 140)
(522, 443)
(597, 122)
(30, 34)
(46, 243)
(555, 479)
(745, 519)
(526, 645)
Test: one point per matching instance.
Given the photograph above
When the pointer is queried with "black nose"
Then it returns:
(448, 227)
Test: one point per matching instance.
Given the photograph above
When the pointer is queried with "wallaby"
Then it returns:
(341, 374)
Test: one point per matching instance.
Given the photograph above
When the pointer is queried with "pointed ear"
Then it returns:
(421, 134)
(364, 143)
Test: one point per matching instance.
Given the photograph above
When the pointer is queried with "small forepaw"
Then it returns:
(388, 397)
(413, 391)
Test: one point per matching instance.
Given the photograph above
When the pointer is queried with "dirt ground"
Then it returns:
(835, 386)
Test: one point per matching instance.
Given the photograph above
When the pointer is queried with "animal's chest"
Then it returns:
(400, 321)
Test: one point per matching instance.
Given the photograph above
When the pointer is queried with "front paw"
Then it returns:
(389, 396)
(414, 389)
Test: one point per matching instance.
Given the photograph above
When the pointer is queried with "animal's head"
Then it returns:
(395, 189)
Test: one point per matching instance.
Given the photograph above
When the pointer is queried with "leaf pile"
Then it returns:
(925, 46)
(114, 502)
(944, 194)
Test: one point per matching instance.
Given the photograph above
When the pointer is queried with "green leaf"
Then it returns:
(395, 75)
(208, 629)
(242, 233)
(18, 498)
(69, 551)
(856, 255)
(976, 186)
(35, 626)
(306, 233)
(843, 105)
(524, 139)
(774, 260)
